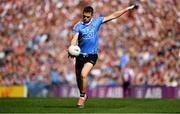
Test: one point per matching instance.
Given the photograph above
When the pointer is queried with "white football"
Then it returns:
(74, 50)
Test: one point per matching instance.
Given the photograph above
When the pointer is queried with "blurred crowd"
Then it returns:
(142, 46)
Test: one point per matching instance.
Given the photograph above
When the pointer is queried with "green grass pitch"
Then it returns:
(93, 105)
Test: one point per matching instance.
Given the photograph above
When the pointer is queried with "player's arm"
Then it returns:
(117, 14)
(75, 39)
(73, 42)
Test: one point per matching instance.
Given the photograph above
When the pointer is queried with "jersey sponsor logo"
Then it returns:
(88, 32)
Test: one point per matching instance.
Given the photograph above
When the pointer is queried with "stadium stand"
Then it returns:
(35, 34)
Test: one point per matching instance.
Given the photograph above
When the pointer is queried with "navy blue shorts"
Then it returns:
(83, 59)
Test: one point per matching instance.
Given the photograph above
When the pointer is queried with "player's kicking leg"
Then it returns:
(82, 83)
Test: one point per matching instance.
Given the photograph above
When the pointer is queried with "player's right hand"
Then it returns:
(69, 55)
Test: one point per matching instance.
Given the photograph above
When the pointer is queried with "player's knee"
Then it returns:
(83, 76)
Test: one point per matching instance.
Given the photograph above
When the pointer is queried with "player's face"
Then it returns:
(87, 17)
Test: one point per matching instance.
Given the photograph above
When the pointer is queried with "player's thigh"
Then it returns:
(79, 66)
(86, 69)
(78, 72)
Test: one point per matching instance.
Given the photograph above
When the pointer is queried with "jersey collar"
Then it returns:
(87, 23)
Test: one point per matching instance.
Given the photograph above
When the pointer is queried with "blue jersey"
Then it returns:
(88, 35)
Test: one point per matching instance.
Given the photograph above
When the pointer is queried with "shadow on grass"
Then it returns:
(59, 107)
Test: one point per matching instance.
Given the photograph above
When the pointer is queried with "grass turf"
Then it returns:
(93, 105)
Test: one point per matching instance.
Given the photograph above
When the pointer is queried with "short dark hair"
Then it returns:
(88, 9)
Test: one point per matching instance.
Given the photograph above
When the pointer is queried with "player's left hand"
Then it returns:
(136, 6)
(133, 7)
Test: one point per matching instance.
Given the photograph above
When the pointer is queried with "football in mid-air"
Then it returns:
(74, 50)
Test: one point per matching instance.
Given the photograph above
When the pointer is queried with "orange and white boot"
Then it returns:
(82, 101)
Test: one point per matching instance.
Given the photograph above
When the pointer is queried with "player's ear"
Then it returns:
(92, 13)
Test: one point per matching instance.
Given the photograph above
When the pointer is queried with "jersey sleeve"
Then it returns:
(76, 28)
(99, 21)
